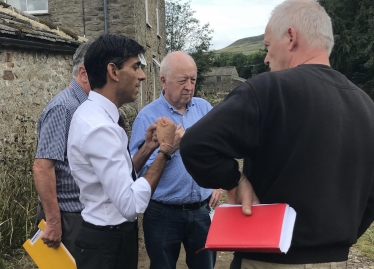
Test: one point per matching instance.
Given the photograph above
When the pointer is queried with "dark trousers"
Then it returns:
(70, 222)
(166, 228)
(107, 247)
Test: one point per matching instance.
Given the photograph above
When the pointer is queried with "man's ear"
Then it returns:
(82, 74)
(163, 81)
(112, 71)
(293, 38)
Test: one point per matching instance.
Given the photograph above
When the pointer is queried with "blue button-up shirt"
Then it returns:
(176, 185)
(53, 129)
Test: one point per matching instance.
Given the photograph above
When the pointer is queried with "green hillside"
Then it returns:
(245, 45)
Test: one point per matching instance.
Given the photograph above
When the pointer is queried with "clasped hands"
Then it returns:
(164, 134)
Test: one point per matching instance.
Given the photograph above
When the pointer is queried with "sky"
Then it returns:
(233, 19)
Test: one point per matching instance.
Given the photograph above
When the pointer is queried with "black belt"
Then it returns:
(193, 206)
(108, 227)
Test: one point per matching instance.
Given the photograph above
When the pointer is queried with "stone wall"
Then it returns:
(86, 18)
(212, 85)
(227, 84)
(29, 80)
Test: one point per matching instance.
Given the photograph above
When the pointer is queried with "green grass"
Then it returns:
(18, 197)
(18, 259)
(366, 243)
(246, 45)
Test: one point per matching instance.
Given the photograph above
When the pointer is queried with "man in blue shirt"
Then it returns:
(58, 194)
(179, 209)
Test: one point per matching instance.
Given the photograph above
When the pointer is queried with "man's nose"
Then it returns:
(142, 75)
(266, 61)
(188, 85)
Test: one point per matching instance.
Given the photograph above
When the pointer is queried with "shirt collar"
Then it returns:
(171, 108)
(106, 104)
(78, 91)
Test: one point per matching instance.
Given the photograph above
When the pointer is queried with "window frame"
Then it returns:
(146, 14)
(156, 65)
(158, 24)
(32, 12)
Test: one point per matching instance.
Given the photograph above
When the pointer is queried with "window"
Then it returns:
(158, 24)
(30, 6)
(142, 94)
(142, 89)
(146, 14)
(218, 79)
(156, 66)
(154, 84)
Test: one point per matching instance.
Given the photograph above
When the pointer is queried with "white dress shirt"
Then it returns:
(101, 165)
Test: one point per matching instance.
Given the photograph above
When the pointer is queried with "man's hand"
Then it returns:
(45, 183)
(151, 138)
(231, 196)
(165, 132)
(214, 199)
(243, 194)
(52, 234)
(178, 137)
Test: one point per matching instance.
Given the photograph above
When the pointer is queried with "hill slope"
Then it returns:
(245, 45)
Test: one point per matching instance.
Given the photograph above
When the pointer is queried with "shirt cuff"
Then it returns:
(142, 191)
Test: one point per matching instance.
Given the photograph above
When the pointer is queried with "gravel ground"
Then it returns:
(224, 259)
(356, 261)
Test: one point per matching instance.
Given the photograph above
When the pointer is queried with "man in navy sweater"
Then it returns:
(306, 134)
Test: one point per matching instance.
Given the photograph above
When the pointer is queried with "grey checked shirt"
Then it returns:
(53, 130)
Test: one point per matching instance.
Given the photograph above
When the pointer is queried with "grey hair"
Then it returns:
(78, 57)
(166, 62)
(309, 19)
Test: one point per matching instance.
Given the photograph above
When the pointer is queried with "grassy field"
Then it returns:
(366, 243)
(246, 45)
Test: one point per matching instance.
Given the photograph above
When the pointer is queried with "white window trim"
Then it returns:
(154, 84)
(141, 94)
(33, 12)
(155, 64)
(146, 14)
(142, 91)
(158, 24)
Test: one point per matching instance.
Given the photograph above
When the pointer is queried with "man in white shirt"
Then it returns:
(100, 162)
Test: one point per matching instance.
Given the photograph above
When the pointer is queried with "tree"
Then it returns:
(183, 31)
(204, 61)
(353, 25)
(246, 65)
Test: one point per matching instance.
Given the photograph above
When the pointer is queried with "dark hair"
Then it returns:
(108, 48)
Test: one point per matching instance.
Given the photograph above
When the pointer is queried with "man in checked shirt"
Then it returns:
(58, 194)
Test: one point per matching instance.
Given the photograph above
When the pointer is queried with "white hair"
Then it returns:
(309, 19)
(166, 63)
(78, 57)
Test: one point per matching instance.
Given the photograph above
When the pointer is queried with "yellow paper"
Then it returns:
(45, 257)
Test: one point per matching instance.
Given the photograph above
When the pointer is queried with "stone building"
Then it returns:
(221, 80)
(35, 64)
(141, 20)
